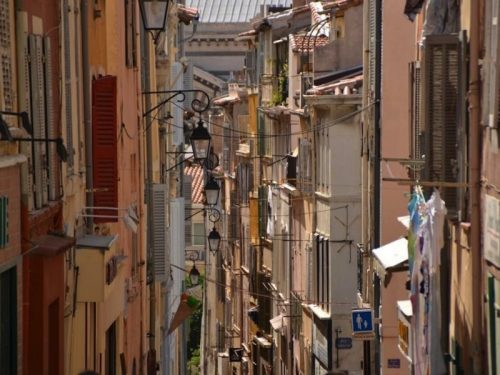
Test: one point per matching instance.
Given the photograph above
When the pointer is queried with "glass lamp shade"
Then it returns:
(214, 240)
(194, 275)
(200, 142)
(154, 14)
(212, 190)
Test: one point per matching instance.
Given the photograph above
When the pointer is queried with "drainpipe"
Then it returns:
(475, 192)
(89, 183)
(376, 169)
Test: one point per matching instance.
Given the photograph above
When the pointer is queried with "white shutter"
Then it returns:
(177, 79)
(159, 236)
(188, 84)
(371, 44)
(38, 119)
(187, 192)
(53, 164)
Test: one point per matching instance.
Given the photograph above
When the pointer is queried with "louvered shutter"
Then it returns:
(189, 84)
(493, 83)
(159, 233)
(24, 101)
(68, 104)
(4, 221)
(176, 231)
(53, 159)
(250, 68)
(371, 44)
(261, 131)
(38, 119)
(187, 194)
(444, 97)
(177, 78)
(7, 87)
(104, 153)
(226, 148)
(415, 124)
(307, 176)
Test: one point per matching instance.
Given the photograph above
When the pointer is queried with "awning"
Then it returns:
(50, 244)
(95, 241)
(405, 308)
(393, 254)
(405, 220)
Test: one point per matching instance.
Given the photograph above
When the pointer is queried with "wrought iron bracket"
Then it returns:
(197, 105)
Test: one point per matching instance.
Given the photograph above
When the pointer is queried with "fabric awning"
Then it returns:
(393, 254)
(51, 244)
(404, 306)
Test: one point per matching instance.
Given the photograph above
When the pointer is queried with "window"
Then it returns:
(104, 130)
(8, 322)
(323, 151)
(304, 166)
(111, 350)
(7, 92)
(4, 221)
(321, 269)
(198, 234)
(130, 34)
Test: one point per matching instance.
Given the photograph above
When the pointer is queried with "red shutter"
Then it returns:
(104, 142)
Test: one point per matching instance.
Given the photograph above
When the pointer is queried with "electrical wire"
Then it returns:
(262, 295)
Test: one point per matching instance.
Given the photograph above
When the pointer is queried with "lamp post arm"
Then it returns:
(177, 164)
(196, 104)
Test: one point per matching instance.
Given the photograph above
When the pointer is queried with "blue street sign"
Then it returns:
(362, 321)
(343, 343)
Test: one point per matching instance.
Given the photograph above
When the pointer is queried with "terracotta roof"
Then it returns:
(306, 43)
(226, 99)
(187, 14)
(251, 32)
(196, 172)
(347, 86)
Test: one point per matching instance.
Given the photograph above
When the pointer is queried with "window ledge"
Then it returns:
(319, 312)
(245, 270)
(322, 195)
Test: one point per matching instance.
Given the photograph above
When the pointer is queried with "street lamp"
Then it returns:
(154, 14)
(200, 142)
(194, 275)
(214, 240)
(212, 190)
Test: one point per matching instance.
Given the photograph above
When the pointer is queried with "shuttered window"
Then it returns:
(444, 95)
(68, 105)
(4, 221)
(104, 154)
(250, 68)
(159, 231)
(415, 115)
(38, 97)
(493, 58)
(6, 82)
(186, 193)
(130, 34)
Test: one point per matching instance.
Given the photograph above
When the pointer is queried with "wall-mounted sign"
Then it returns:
(362, 323)
(343, 342)
(394, 363)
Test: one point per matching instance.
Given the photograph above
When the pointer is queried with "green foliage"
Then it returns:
(280, 93)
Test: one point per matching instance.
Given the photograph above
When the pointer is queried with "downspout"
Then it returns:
(376, 170)
(475, 192)
(89, 182)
